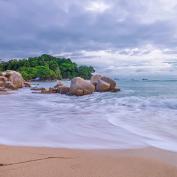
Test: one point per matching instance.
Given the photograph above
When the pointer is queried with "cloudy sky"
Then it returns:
(136, 35)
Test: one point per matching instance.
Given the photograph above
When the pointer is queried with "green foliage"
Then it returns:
(1, 66)
(47, 67)
(85, 71)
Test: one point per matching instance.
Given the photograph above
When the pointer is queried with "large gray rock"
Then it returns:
(80, 87)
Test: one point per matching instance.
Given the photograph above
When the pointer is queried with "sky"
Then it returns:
(135, 36)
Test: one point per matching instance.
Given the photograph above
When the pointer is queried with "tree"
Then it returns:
(85, 71)
(47, 67)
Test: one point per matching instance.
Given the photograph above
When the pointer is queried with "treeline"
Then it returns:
(47, 67)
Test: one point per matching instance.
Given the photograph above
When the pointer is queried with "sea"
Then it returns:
(142, 114)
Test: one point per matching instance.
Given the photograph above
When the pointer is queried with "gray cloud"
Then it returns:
(33, 27)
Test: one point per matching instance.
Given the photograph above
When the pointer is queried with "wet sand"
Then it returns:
(56, 162)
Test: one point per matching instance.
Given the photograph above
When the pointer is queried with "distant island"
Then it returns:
(47, 67)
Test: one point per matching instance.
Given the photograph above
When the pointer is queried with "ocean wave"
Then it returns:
(101, 120)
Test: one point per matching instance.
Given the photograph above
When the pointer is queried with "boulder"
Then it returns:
(78, 92)
(110, 81)
(95, 78)
(2, 81)
(15, 78)
(3, 78)
(2, 84)
(80, 87)
(10, 85)
(102, 86)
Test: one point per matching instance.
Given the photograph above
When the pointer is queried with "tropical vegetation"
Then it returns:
(47, 67)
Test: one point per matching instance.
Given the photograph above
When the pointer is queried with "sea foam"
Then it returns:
(142, 114)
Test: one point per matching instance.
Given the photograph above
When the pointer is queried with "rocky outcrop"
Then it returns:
(61, 90)
(14, 78)
(80, 87)
(104, 84)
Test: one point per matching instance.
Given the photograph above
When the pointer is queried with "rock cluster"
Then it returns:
(12, 80)
(80, 87)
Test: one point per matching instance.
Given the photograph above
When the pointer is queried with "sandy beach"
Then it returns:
(55, 162)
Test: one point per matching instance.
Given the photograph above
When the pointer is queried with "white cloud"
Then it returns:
(136, 61)
(97, 6)
(152, 11)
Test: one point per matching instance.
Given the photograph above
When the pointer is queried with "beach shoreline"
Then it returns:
(55, 162)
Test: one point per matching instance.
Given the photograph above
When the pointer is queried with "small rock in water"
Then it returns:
(27, 84)
(63, 90)
(37, 88)
(49, 91)
(59, 84)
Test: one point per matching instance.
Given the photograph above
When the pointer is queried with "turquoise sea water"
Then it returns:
(143, 114)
